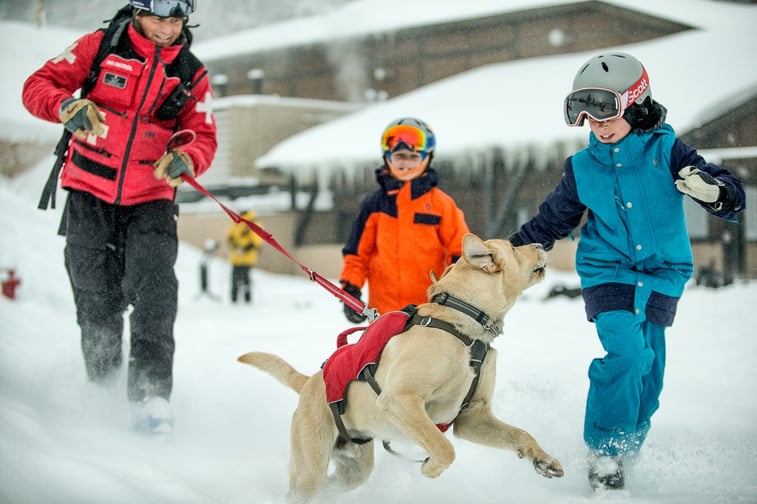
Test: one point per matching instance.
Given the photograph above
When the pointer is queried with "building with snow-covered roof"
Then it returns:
(368, 50)
(502, 140)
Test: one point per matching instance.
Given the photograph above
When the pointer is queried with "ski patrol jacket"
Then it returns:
(402, 232)
(132, 84)
(243, 242)
(634, 252)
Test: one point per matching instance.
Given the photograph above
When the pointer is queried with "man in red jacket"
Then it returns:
(121, 178)
(405, 229)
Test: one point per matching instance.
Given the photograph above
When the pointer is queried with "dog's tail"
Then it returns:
(276, 367)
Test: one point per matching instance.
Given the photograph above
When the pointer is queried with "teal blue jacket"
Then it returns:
(634, 253)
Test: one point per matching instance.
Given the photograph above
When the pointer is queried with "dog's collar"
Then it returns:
(479, 316)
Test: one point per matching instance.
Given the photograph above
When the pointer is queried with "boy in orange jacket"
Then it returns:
(406, 229)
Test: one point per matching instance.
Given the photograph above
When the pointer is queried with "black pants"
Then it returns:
(240, 281)
(118, 256)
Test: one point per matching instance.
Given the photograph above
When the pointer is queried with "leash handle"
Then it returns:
(343, 296)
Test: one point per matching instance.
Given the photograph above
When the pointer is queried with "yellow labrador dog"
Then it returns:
(424, 374)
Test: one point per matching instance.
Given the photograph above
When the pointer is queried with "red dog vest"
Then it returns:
(349, 360)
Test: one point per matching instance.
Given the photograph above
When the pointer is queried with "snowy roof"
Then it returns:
(517, 105)
(357, 18)
(363, 17)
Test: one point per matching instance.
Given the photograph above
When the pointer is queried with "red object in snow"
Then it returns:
(10, 284)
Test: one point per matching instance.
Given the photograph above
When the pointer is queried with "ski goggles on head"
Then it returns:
(409, 137)
(167, 8)
(601, 104)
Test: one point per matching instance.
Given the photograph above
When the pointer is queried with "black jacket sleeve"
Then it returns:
(559, 214)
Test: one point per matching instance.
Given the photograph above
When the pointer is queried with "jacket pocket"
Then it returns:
(118, 81)
(93, 167)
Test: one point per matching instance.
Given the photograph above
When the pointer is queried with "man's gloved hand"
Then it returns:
(351, 314)
(698, 184)
(81, 117)
(172, 165)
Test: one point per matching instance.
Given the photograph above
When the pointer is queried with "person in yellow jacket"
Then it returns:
(405, 229)
(244, 245)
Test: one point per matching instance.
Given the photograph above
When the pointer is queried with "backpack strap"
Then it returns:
(47, 198)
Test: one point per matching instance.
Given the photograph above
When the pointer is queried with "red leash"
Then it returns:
(347, 299)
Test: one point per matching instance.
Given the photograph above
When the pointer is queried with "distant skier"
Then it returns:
(244, 246)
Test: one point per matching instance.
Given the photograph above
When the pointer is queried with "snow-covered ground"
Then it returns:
(63, 440)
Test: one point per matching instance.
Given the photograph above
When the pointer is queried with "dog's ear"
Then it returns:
(478, 253)
(433, 276)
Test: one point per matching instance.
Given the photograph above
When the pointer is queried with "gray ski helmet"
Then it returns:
(618, 71)
(166, 8)
(412, 133)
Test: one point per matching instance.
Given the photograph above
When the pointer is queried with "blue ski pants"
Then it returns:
(625, 384)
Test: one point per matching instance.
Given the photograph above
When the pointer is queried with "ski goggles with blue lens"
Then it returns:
(601, 104)
(167, 8)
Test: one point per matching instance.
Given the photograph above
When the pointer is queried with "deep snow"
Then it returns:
(63, 440)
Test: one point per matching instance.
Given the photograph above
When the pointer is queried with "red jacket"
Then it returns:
(118, 167)
(401, 233)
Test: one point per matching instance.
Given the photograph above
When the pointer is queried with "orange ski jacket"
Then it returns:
(402, 232)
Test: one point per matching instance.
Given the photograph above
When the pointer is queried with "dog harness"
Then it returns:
(359, 361)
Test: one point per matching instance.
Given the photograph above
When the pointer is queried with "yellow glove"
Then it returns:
(81, 117)
(172, 165)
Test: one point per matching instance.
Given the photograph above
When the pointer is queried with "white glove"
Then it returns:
(698, 184)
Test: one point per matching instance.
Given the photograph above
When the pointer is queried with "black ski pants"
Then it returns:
(118, 256)
(240, 281)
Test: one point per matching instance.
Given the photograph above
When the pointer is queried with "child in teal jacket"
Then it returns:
(634, 256)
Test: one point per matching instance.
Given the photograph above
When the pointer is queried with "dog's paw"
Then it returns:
(549, 468)
(432, 469)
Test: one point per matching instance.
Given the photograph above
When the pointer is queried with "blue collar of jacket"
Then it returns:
(634, 142)
(418, 187)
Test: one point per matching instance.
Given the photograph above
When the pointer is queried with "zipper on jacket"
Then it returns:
(135, 125)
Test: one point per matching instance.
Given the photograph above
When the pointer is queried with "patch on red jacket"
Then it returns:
(348, 361)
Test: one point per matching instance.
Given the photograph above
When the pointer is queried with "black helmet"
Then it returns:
(166, 8)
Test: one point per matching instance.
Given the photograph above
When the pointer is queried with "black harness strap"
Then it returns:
(344, 436)
(479, 316)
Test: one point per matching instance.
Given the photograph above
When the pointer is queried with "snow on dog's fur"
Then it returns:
(424, 374)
